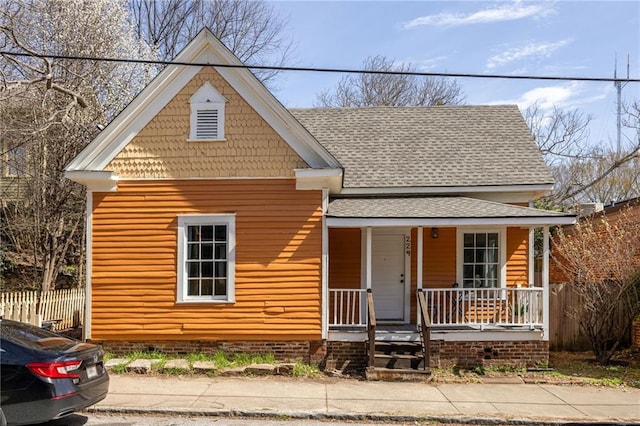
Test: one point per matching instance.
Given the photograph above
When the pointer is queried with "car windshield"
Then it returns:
(33, 337)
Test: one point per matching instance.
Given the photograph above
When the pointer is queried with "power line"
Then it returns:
(614, 80)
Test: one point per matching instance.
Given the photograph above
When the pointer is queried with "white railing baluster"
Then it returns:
(511, 306)
(348, 309)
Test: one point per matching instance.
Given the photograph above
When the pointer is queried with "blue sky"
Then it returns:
(554, 38)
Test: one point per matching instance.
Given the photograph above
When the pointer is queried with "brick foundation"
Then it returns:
(352, 356)
(532, 353)
(346, 356)
(635, 333)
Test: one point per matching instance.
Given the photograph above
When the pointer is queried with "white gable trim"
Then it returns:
(279, 118)
(330, 179)
(204, 48)
(94, 180)
(108, 144)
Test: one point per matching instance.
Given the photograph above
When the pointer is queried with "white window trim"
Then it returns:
(206, 219)
(502, 251)
(206, 98)
(10, 162)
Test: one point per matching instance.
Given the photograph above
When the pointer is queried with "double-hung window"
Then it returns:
(206, 258)
(481, 259)
(15, 161)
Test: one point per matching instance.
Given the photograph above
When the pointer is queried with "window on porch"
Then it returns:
(480, 260)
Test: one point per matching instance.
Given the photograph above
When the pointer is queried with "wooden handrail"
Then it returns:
(371, 327)
(425, 329)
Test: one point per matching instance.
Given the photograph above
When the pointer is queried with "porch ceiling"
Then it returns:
(436, 211)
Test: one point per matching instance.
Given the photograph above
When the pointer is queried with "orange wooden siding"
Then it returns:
(517, 257)
(278, 261)
(345, 261)
(439, 266)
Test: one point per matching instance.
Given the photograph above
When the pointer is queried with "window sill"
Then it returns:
(205, 301)
(207, 140)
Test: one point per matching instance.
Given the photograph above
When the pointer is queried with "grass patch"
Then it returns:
(219, 358)
(148, 355)
(301, 369)
(225, 360)
(624, 370)
(566, 367)
(118, 369)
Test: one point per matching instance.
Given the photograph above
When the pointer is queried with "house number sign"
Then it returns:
(407, 244)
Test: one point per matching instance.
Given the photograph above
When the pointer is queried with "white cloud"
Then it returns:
(498, 13)
(550, 96)
(569, 95)
(523, 52)
(425, 65)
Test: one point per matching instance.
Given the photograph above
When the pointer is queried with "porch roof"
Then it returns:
(436, 211)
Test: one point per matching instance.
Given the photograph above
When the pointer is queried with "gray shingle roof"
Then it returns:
(431, 208)
(440, 146)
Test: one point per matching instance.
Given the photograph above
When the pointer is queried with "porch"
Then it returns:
(450, 312)
(461, 327)
(430, 279)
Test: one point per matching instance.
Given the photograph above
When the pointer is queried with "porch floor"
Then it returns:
(409, 332)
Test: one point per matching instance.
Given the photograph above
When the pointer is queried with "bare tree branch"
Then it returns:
(364, 90)
(252, 30)
(600, 259)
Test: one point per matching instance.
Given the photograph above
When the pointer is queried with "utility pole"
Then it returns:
(619, 84)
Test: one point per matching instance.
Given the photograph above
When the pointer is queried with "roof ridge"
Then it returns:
(394, 107)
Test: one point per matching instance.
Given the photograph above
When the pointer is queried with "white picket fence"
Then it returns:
(63, 308)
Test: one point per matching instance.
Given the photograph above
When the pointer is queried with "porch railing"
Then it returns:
(347, 307)
(371, 329)
(512, 306)
(424, 329)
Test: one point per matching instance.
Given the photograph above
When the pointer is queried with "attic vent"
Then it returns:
(207, 114)
(207, 125)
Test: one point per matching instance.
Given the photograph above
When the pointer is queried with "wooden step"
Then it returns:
(400, 348)
(397, 374)
(398, 361)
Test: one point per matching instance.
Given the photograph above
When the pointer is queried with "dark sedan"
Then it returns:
(45, 376)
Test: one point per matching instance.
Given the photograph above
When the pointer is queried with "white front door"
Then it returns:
(388, 276)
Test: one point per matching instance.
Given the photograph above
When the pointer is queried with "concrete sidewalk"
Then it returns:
(346, 399)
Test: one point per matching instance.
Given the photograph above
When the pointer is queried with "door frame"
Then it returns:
(406, 232)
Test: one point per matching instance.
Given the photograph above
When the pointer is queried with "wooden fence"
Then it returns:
(564, 329)
(63, 308)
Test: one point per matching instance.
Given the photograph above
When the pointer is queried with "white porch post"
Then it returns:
(545, 283)
(532, 257)
(325, 265)
(86, 327)
(368, 256)
(419, 254)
